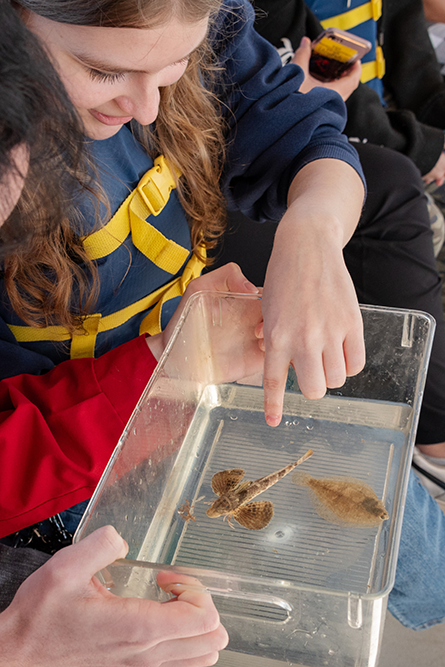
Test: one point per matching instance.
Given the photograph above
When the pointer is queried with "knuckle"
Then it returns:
(271, 384)
(111, 537)
(276, 338)
(233, 266)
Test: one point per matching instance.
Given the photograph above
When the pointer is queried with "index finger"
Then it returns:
(276, 367)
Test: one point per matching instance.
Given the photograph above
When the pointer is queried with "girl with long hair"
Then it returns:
(60, 615)
(183, 106)
(184, 109)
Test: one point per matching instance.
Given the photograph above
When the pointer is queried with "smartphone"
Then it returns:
(334, 52)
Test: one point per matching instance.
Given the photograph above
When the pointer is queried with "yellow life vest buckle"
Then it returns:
(155, 186)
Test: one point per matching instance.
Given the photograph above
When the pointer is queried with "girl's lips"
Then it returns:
(109, 120)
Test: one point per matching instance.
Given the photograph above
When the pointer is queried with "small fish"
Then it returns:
(234, 496)
(344, 500)
(186, 511)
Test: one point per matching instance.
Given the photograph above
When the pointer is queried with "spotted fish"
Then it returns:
(344, 500)
(235, 495)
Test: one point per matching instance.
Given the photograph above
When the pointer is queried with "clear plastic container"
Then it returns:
(303, 590)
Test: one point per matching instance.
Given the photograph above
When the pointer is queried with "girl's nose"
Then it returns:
(142, 103)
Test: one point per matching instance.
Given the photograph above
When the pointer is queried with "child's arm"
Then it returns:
(310, 309)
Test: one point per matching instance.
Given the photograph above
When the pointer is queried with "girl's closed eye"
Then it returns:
(113, 77)
(105, 77)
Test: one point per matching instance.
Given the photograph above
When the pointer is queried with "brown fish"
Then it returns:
(344, 500)
(234, 495)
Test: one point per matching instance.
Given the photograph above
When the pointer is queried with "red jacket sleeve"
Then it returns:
(58, 430)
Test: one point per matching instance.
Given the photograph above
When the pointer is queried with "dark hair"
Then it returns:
(34, 111)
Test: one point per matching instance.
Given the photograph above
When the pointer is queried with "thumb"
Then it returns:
(84, 559)
(303, 54)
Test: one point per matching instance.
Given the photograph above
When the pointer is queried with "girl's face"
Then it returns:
(114, 74)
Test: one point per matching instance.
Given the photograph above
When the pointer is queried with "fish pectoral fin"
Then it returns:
(226, 480)
(254, 515)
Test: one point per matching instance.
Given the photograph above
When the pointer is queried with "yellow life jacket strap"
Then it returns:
(375, 68)
(149, 198)
(84, 341)
(354, 17)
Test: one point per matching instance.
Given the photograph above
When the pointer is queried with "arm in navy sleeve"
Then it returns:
(273, 129)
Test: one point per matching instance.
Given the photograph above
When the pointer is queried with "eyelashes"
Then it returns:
(108, 77)
(104, 77)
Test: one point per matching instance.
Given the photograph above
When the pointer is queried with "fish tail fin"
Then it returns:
(301, 478)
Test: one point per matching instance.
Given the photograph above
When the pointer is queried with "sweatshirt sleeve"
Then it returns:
(58, 430)
(273, 129)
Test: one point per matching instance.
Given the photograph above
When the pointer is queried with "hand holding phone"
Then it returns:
(334, 52)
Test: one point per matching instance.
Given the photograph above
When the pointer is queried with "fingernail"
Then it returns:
(250, 287)
(273, 420)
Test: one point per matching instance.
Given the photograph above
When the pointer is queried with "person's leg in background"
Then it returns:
(15, 566)
(418, 597)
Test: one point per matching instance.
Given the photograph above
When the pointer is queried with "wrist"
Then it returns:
(319, 229)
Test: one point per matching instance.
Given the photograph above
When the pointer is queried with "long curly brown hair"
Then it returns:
(42, 278)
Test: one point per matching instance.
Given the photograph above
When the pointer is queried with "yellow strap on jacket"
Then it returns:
(375, 68)
(350, 19)
(149, 198)
(353, 17)
(83, 343)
